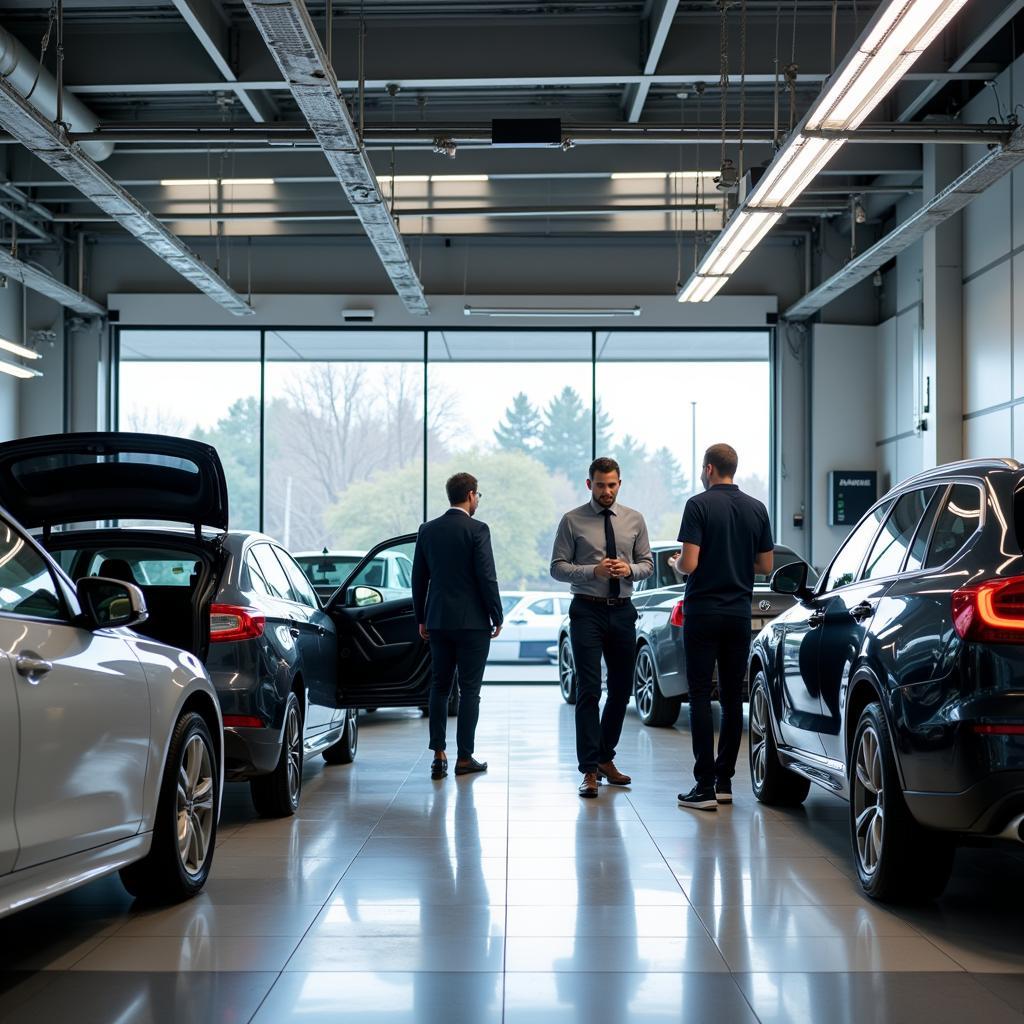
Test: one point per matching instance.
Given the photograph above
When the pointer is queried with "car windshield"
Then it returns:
(333, 570)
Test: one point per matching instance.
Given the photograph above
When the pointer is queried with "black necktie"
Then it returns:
(610, 550)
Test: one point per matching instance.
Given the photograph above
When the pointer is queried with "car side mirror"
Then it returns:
(791, 579)
(108, 603)
(361, 597)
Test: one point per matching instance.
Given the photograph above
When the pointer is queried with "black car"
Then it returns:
(290, 673)
(659, 675)
(897, 681)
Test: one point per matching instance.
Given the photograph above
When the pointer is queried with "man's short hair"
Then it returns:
(603, 465)
(459, 486)
(724, 458)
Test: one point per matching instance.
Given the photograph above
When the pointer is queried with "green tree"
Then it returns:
(236, 436)
(520, 431)
(566, 434)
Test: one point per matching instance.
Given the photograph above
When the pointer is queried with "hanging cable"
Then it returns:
(775, 128)
(743, 79)
(835, 27)
(791, 71)
(362, 69)
(699, 220)
(723, 65)
(60, 68)
(678, 192)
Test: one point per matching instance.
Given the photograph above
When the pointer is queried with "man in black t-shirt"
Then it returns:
(726, 538)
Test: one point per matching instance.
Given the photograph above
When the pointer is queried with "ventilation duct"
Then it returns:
(43, 139)
(34, 83)
(292, 39)
(44, 283)
(997, 163)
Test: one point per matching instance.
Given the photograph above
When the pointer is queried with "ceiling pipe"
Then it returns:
(34, 83)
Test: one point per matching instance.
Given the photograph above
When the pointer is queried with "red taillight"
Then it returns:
(990, 612)
(243, 722)
(230, 622)
(998, 730)
(676, 618)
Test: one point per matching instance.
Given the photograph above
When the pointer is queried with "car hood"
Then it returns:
(58, 479)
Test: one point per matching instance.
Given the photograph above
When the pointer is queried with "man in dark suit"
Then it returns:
(458, 607)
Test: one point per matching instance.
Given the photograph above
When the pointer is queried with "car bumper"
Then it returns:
(985, 808)
(249, 752)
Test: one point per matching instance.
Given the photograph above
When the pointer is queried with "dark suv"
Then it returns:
(897, 682)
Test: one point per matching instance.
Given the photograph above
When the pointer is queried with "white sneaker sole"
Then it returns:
(700, 805)
(724, 798)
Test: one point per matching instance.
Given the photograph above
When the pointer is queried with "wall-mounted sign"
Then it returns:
(851, 492)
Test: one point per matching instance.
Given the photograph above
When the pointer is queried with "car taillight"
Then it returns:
(243, 722)
(984, 729)
(230, 622)
(676, 618)
(990, 612)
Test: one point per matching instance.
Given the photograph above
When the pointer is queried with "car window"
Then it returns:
(919, 545)
(845, 566)
(665, 575)
(893, 540)
(26, 583)
(270, 569)
(372, 574)
(784, 556)
(959, 518)
(259, 582)
(148, 567)
(508, 602)
(403, 567)
(301, 588)
(327, 570)
(545, 607)
(565, 602)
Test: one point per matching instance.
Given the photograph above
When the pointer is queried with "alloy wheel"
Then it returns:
(644, 684)
(869, 800)
(566, 668)
(293, 742)
(352, 729)
(194, 805)
(758, 737)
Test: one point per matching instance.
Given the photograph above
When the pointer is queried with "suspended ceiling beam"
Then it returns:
(951, 200)
(40, 281)
(659, 22)
(40, 137)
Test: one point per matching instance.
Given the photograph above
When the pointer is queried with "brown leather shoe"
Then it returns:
(612, 774)
(589, 785)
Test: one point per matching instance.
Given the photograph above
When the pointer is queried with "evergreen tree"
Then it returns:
(670, 473)
(566, 435)
(520, 431)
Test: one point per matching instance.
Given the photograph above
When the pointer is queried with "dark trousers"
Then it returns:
(708, 639)
(597, 629)
(465, 650)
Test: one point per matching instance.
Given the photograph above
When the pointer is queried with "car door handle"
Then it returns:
(28, 666)
(862, 611)
(815, 619)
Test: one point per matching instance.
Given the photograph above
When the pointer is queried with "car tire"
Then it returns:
(344, 750)
(654, 709)
(773, 784)
(897, 859)
(170, 873)
(277, 794)
(566, 670)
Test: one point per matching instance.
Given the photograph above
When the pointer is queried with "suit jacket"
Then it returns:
(454, 583)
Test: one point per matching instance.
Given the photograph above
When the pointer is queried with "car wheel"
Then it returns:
(654, 708)
(344, 750)
(277, 794)
(897, 860)
(566, 671)
(185, 830)
(772, 783)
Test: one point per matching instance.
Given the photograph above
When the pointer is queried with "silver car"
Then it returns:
(110, 743)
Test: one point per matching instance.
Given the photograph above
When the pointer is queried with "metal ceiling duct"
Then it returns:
(43, 139)
(292, 39)
(44, 283)
(24, 73)
(996, 164)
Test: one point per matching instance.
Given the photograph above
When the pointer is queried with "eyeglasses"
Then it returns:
(479, 494)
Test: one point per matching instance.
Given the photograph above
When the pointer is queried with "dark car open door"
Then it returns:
(382, 659)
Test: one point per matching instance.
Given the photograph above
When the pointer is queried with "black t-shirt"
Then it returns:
(731, 529)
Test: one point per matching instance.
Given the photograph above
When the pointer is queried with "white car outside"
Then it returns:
(531, 627)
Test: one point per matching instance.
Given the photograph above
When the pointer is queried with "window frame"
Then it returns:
(284, 563)
(822, 589)
(935, 488)
(254, 550)
(982, 520)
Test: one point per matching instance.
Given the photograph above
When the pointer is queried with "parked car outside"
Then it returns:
(659, 675)
(389, 572)
(531, 626)
(896, 681)
(110, 743)
(236, 600)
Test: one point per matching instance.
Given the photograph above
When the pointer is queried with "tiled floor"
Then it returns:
(504, 897)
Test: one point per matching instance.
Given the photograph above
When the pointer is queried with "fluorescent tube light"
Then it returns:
(639, 176)
(745, 229)
(188, 181)
(459, 177)
(701, 289)
(247, 181)
(19, 350)
(23, 372)
(207, 182)
(399, 179)
(794, 169)
(554, 311)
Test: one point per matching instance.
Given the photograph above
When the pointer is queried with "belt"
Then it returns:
(614, 602)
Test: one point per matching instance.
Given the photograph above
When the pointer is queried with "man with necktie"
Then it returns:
(602, 549)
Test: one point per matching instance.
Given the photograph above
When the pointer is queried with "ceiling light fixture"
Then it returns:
(554, 311)
(639, 176)
(22, 372)
(207, 182)
(896, 36)
(20, 350)
(459, 177)
(247, 181)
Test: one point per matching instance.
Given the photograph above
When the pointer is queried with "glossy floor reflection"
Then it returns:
(504, 897)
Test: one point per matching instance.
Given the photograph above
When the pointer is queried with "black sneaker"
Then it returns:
(723, 791)
(699, 799)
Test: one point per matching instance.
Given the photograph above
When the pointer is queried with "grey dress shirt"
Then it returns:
(580, 545)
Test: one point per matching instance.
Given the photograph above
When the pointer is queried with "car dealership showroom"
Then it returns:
(510, 511)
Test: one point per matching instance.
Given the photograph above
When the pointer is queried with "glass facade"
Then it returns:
(339, 439)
